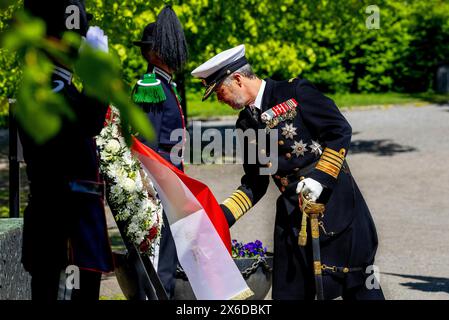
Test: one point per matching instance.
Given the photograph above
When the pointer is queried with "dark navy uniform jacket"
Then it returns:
(166, 117)
(313, 141)
(66, 206)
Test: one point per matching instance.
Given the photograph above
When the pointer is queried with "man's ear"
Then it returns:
(238, 79)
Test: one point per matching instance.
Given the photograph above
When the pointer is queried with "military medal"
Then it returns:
(315, 148)
(288, 131)
(299, 148)
(280, 112)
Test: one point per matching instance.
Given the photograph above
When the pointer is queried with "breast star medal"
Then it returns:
(289, 131)
(299, 148)
(315, 148)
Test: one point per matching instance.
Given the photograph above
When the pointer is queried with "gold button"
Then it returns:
(284, 181)
(281, 142)
(345, 270)
(288, 155)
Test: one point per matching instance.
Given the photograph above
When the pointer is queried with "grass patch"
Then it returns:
(207, 109)
(212, 108)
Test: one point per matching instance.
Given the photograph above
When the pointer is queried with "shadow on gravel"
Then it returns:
(426, 284)
(379, 147)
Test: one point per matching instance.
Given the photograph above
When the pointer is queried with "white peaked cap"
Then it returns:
(214, 70)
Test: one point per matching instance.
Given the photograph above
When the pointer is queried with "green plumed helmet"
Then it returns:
(149, 90)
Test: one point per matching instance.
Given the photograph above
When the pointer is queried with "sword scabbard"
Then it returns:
(302, 238)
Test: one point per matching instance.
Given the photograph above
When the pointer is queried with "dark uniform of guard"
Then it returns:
(64, 221)
(164, 46)
(313, 141)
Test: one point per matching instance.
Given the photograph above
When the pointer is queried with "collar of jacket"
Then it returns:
(267, 94)
(63, 74)
(163, 74)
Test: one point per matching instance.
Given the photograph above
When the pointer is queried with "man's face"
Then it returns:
(232, 94)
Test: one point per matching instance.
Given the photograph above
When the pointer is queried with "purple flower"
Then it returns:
(250, 249)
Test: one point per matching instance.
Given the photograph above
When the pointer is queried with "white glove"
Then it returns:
(310, 187)
(96, 38)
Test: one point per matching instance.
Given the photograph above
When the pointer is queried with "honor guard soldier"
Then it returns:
(313, 141)
(64, 221)
(164, 47)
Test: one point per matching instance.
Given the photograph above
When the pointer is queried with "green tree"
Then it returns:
(322, 40)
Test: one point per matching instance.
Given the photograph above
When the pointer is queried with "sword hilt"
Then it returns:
(312, 210)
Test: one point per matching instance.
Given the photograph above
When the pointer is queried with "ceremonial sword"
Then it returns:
(313, 211)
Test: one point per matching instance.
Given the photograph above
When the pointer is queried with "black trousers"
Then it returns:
(45, 285)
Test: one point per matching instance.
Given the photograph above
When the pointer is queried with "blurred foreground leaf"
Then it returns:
(6, 3)
(39, 109)
(100, 74)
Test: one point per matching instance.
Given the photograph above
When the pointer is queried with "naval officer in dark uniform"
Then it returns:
(164, 47)
(64, 221)
(313, 141)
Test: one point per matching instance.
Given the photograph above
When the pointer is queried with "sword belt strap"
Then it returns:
(334, 269)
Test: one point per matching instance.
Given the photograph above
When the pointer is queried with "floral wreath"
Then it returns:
(131, 195)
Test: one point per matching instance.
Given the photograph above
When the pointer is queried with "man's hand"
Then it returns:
(310, 187)
(96, 38)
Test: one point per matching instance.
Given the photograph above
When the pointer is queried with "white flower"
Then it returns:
(100, 141)
(129, 185)
(128, 198)
(113, 146)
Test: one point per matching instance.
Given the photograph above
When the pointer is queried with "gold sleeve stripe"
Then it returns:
(235, 210)
(330, 160)
(243, 194)
(239, 197)
(328, 168)
(325, 158)
(236, 203)
(239, 203)
(338, 160)
(329, 165)
(340, 155)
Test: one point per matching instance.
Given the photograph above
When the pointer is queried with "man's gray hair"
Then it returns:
(245, 71)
